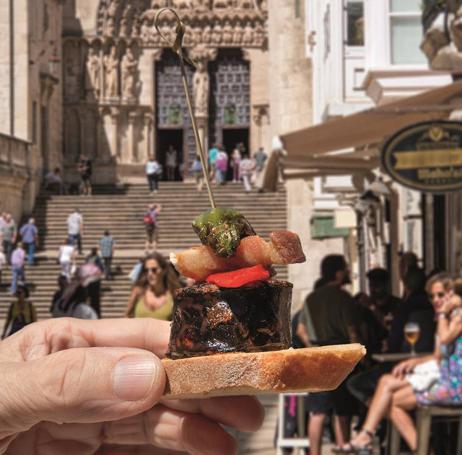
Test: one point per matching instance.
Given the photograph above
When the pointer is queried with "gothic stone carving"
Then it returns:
(111, 67)
(201, 89)
(129, 75)
(228, 23)
(93, 74)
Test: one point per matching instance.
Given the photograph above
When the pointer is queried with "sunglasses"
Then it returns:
(152, 269)
(440, 295)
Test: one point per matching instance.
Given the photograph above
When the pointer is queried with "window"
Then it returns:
(406, 32)
(355, 23)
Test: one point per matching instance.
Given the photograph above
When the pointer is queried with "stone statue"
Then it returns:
(227, 33)
(207, 35)
(72, 86)
(202, 5)
(196, 35)
(216, 34)
(259, 34)
(248, 34)
(201, 82)
(129, 75)
(145, 31)
(238, 34)
(111, 67)
(92, 76)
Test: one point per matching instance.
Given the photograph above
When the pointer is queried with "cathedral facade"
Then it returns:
(123, 93)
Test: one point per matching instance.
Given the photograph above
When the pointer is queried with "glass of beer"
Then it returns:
(412, 334)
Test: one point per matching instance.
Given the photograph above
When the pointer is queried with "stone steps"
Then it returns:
(121, 210)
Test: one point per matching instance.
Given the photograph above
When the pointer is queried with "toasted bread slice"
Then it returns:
(290, 370)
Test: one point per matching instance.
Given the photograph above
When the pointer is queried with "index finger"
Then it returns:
(42, 338)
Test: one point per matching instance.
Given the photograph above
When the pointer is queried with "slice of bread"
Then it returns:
(290, 370)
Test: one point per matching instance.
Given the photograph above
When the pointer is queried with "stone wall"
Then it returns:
(30, 91)
(14, 175)
(289, 80)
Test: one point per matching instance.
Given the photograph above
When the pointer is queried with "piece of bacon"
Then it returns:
(199, 262)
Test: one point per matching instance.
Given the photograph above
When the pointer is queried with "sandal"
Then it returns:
(365, 449)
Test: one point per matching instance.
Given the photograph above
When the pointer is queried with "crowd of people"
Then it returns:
(426, 319)
(235, 166)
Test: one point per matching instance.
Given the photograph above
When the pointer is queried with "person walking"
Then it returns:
(29, 237)
(85, 170)
(153, 172)
(213, 153)
(260, 158)
(62, 282)
(2, 263)
(106, 246)
(150, 223)
(9, 235)
(75, 229)
(330, 316)
(196, 171)
(236, 161)
(21, 312)
(247, 168)
(66, 257)
(171, 163)
(221, 165)
(17, 267)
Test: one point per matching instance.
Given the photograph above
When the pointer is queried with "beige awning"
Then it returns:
(311, 148)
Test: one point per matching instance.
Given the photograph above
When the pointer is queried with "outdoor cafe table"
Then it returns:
(398, 356)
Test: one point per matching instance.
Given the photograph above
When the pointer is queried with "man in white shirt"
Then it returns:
(75, 229)
(153, 171)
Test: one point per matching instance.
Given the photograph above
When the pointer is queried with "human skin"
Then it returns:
(78, 387)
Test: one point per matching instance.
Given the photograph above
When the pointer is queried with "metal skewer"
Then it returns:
(178, 49)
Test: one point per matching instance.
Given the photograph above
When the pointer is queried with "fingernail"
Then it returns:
(133, 377)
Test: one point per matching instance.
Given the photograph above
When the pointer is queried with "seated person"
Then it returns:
(433, 379)
(54, 181)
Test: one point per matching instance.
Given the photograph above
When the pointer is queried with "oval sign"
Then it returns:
(426, 156)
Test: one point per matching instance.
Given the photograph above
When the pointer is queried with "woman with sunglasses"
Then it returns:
(411, 380)
(152, 294)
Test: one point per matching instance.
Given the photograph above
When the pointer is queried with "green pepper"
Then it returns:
(222, 230)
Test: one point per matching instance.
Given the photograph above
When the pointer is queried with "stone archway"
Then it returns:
(110, 71)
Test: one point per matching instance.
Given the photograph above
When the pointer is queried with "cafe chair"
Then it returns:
(424, 416)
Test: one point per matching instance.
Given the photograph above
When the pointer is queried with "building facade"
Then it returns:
(124, 98)
(30, 99)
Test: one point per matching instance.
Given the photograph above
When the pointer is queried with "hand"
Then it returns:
(404, 368)
(451, 303)
(79, 387)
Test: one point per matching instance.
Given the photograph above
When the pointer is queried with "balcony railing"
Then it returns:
(14, 154)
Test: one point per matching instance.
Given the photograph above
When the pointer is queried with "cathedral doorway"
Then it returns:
(231, 138)
(170, 138)
(230, 100)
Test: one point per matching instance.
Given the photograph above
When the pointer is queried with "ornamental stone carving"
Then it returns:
(246, 4)
(156, 4)
(248, 36)
(129, 75)
(93, 74)
(227, 37)
(201, 88)
(238, 33)
(182, 4)
(222, 3)
(216, 34)
(111, 70)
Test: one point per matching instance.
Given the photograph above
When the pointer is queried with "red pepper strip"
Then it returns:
(239, 277)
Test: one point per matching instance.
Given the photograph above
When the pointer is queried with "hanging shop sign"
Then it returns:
(426, 156)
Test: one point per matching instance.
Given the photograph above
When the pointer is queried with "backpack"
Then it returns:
(147, 219)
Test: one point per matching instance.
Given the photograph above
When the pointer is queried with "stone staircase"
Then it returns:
(121, 211)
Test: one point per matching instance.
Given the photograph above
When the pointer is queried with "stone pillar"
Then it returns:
(148, 119)
(129, 154)
(156, 57)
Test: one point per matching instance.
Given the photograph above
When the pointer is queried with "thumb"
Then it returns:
(80, 385)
